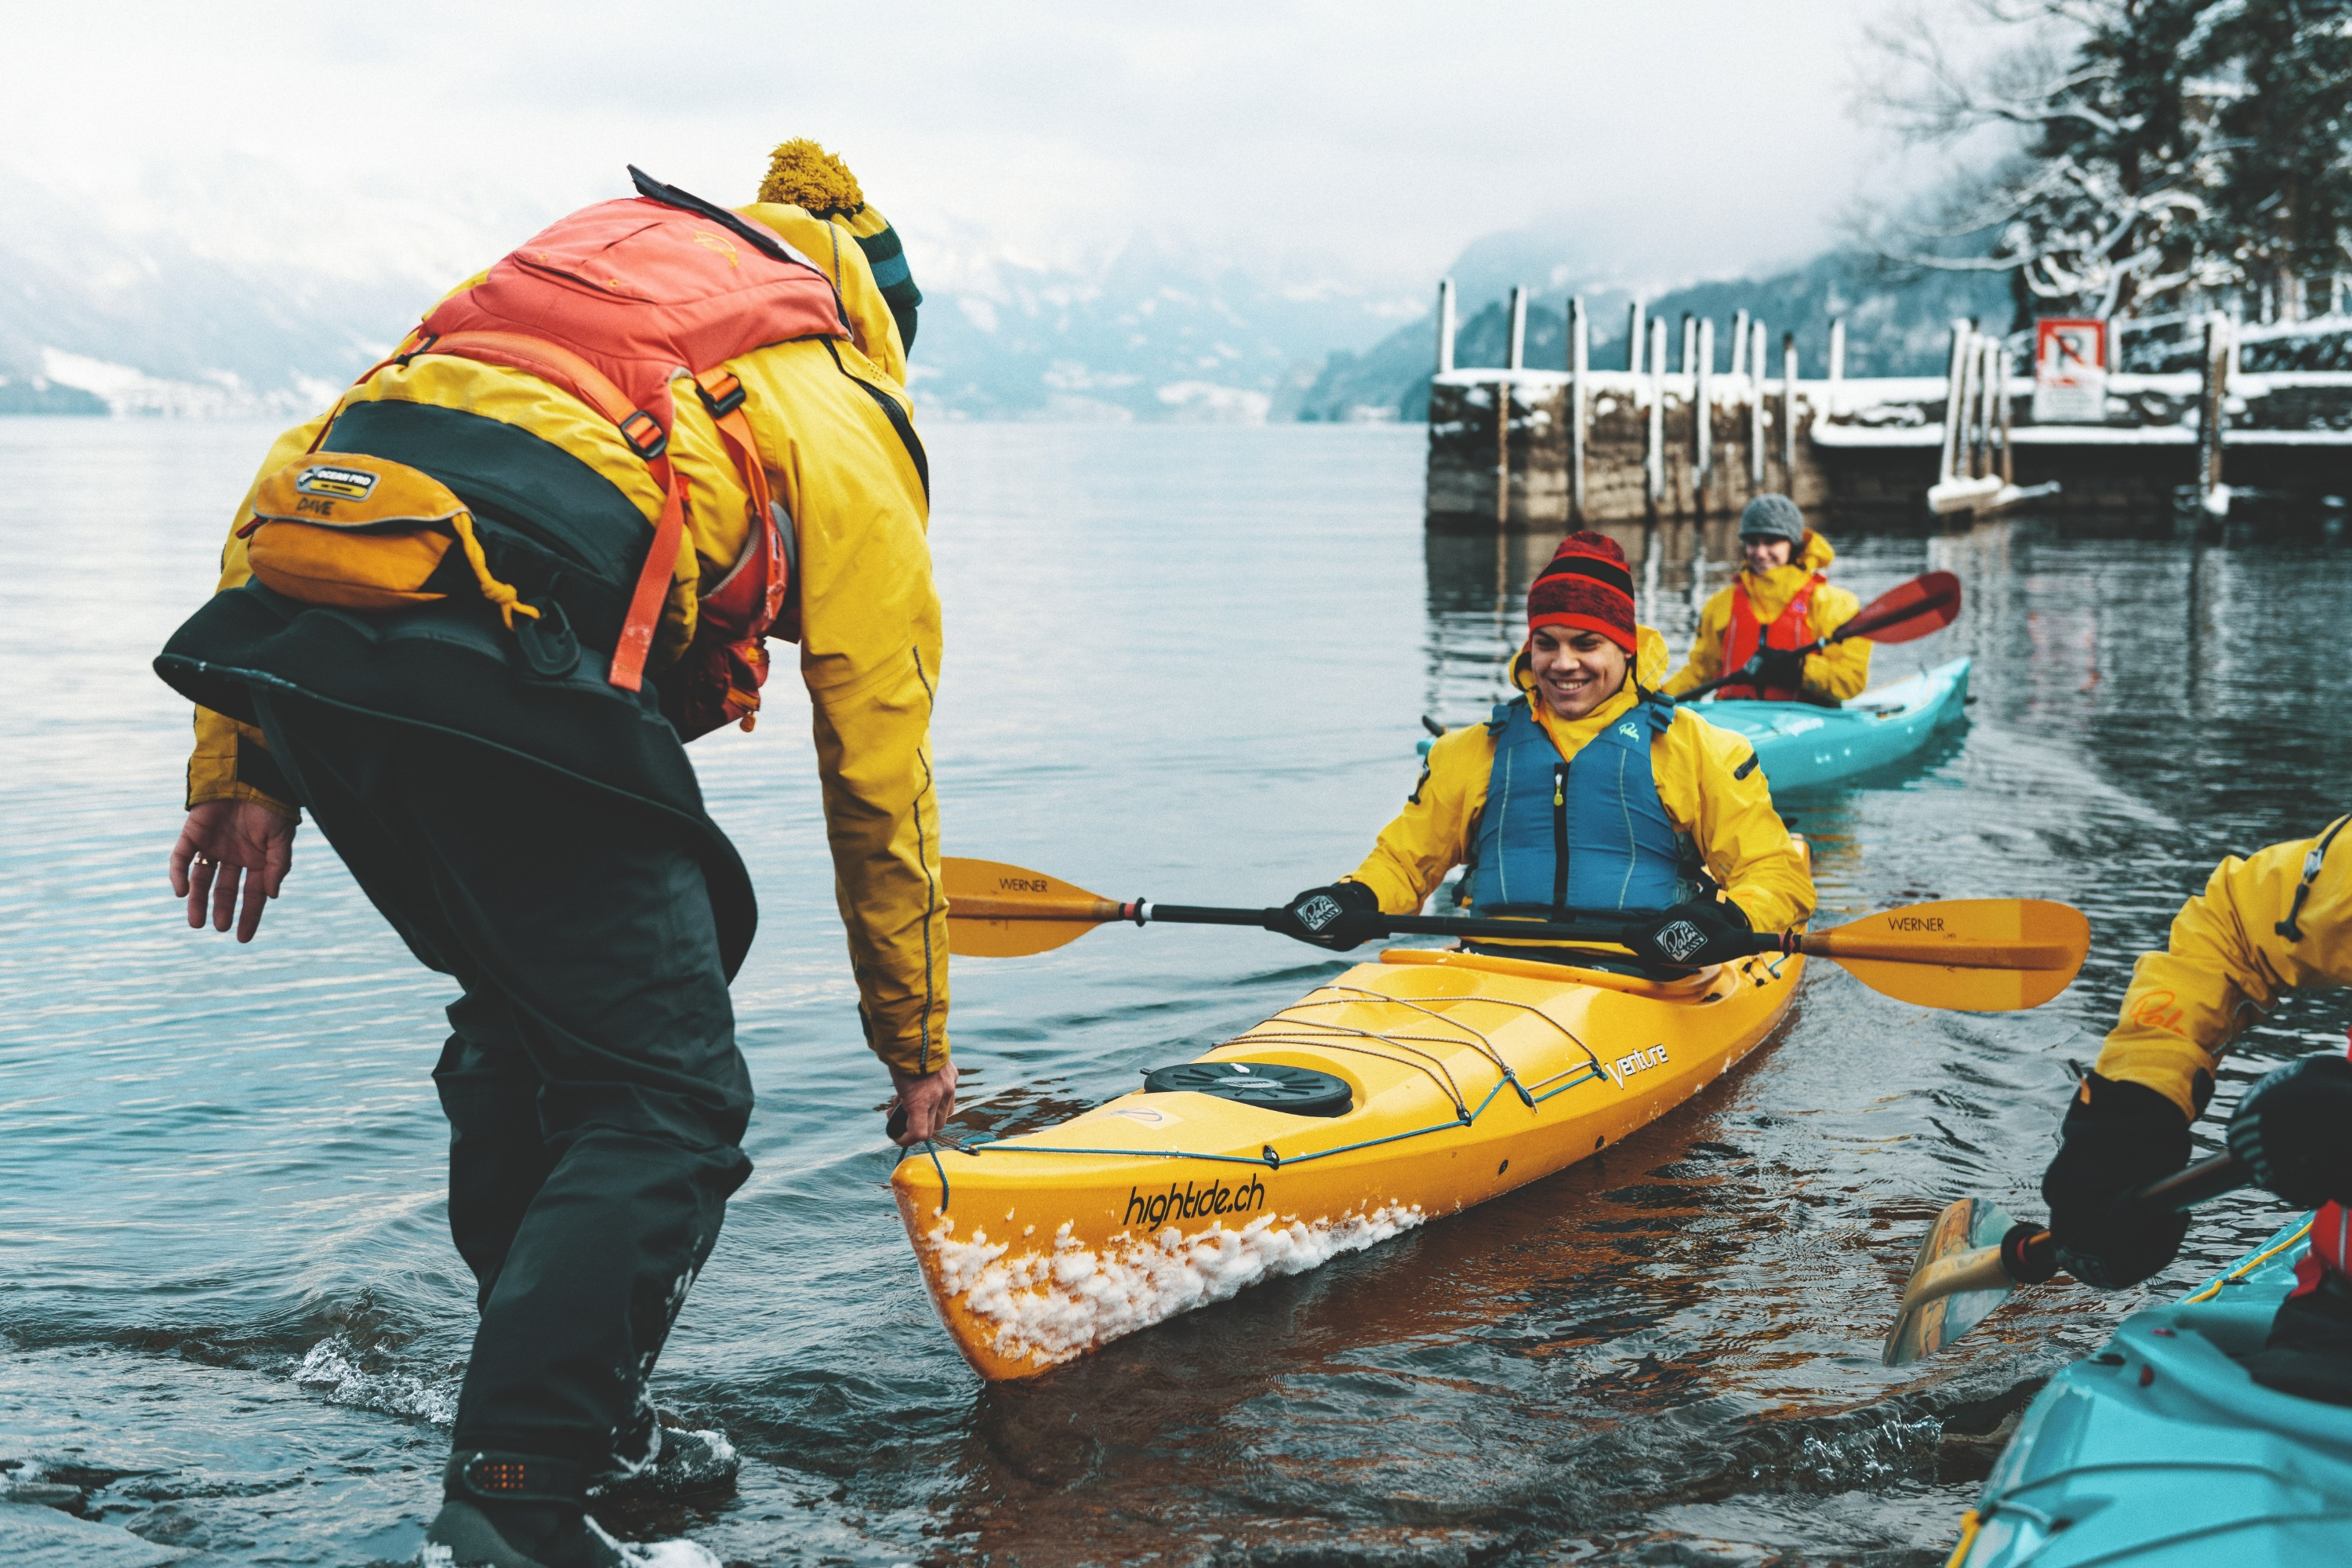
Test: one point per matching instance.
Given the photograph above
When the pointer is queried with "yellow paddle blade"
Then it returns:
(1956, 1281)
(995, 910)
(1975, 955)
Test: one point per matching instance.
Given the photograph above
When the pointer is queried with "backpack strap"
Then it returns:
(559, 366)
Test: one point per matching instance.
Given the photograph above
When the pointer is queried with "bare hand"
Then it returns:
(928, 1098)
(224, 843)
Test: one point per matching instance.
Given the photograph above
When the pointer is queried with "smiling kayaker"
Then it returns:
(2278, 921)
(1780, 602)
(1587, 792)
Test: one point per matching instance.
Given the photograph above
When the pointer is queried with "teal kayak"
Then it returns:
(1804, 746)
(2160, 1452)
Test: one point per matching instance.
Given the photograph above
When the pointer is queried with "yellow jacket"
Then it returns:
(870, 612)
(1705, 781)
(1832, 675)
(2227, 963)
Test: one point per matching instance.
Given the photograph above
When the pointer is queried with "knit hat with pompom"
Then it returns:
(803, 174)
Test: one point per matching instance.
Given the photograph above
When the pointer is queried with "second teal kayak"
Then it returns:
(2161, 1452)
(1804, 746)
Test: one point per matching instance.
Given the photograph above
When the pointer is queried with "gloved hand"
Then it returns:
(1775, 666)
(1338, 917)
(2292, 1130)
(2117, 1136)
(1697, 934)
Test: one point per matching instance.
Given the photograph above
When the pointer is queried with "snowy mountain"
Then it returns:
(99, 314)
(158, 307)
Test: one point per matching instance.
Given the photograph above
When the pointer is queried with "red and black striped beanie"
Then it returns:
(1587, 586)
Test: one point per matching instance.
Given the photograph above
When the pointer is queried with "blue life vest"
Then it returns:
(1587, 833)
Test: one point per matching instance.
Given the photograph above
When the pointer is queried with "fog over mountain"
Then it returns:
(140, 310)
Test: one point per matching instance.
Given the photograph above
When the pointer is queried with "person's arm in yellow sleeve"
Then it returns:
(2226, 964)
(1706, 660)
(1713, 790)
(1431, 834)
(1842, 669)
(870, 649)
(231, 762)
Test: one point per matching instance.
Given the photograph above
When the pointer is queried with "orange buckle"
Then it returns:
(644, 445)
(722, 403)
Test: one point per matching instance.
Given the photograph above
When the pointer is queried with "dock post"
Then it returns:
(1690, 345)
(1579, 403)
(1836, 365)
(2002, 398)
(2213, 414)
(1633, 337)
(1988, 412)
(1740, 342)
(1955, 376)
(1654, 477)
(1446, 326)
(1756, 408)
(1516, 358)
(1502, 453)
(1789, 410)
(1703, 412)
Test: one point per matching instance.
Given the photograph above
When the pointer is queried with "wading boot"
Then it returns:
(515, 1510)
(688, 1463)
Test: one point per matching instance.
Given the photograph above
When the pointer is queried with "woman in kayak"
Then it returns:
(1778, 604)
(2276, 922)
(1588, 791)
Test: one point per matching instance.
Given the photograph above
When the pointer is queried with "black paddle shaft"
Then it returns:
(1585, 926)
(2031, 1257)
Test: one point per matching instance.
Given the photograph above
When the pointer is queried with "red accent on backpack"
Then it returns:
(612, 304)
(1793, 629)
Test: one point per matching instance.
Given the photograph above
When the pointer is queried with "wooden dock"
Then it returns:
(1516, 447)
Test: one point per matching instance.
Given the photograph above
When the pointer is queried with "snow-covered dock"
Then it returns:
(1516, 447)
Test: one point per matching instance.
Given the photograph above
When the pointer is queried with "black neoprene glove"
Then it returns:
(2290, 1131)
(1697, 934)
(2117, 1136)
(1338, 917)
(1777, 666)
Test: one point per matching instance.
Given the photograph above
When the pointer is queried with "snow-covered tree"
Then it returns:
(2139, 156)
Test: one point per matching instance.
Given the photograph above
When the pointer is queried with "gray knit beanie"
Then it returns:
(1772, 516)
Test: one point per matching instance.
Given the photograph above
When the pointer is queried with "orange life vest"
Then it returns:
(613, 303)
(1741, 638)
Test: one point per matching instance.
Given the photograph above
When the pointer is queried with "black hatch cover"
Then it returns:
(1301, 1091)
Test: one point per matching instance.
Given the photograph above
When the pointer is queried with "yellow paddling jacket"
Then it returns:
(1706, 779)
(2277, 921)
(832, 424)
(1832, 675)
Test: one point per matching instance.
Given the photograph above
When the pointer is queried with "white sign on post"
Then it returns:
(2070, 372)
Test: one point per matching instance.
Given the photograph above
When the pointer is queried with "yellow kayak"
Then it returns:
(1403, 1091)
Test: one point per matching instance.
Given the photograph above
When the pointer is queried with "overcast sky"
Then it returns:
(1372, 138)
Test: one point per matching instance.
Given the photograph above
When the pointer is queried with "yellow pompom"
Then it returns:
(803, 174)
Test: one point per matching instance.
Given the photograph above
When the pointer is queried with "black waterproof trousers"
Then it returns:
(597, 1101)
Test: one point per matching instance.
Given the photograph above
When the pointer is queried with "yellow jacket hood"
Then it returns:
(1770, 592)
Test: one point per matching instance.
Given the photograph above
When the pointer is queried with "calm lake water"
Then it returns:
(1188, 663)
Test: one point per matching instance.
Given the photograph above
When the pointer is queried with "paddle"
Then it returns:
(1963, 1273)
(1980, 956)
(1926, 603)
